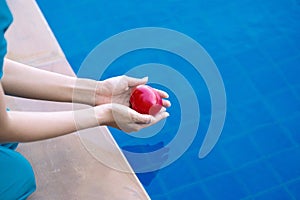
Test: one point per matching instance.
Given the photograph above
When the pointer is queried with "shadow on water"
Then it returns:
(157, 160)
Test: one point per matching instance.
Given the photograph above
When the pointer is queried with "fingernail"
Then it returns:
(145, 78)
(167, 95)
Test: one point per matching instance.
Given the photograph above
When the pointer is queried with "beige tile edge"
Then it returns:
(44, 54)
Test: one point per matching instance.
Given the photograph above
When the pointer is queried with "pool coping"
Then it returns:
(31, 41)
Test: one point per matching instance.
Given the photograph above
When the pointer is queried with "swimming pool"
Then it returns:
(256, 48)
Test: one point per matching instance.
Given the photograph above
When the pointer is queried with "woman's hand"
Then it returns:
(118, 89)
(124, 118)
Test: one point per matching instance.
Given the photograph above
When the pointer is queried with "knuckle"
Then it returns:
(136, 118)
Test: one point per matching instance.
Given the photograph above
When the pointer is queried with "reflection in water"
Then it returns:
(159, 159)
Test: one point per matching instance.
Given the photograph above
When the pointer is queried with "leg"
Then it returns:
(17, 177)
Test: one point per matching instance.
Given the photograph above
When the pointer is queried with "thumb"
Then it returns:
(136, 81)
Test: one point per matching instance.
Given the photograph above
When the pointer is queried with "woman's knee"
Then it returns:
(27, 179)
(17, 176)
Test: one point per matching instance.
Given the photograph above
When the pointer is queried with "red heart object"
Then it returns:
(145, 100)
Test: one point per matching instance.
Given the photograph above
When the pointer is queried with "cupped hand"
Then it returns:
(124, 118)
(118, 89)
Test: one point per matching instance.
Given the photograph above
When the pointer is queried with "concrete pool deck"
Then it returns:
(64, 169)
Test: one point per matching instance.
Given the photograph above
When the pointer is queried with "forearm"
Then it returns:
(25, 81)
(34, 126)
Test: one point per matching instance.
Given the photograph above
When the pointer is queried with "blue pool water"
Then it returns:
(256, 46)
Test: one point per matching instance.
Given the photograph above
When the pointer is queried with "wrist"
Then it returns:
(84, 91)
(102, 93)
(103, 114)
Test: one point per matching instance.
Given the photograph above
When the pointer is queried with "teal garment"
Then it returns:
(5, 21)
(17, 178)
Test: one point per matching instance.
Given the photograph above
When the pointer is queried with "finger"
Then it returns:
(166, 103)
(163, 109)
(136, 81)
(141, 119)
(162, 94)
(160, 116)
